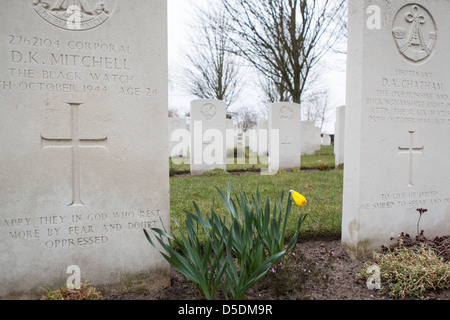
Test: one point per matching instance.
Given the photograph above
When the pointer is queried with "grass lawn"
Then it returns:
(251, 162)
(322, 189)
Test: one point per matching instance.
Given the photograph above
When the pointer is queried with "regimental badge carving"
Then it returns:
(286, 113)
(414, 32)
(209, 111)
(74, 14)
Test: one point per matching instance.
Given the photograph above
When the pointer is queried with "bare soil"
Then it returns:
(319, 270)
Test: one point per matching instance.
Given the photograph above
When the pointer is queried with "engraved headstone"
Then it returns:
(83, 162)
(263, 135)
(284, 118)
(398, 110)
(208, 136)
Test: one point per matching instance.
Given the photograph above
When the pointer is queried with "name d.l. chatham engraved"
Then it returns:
(414, 32)
(75, 143)
(74, 14)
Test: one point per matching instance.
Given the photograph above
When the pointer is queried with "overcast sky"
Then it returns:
(179, 17)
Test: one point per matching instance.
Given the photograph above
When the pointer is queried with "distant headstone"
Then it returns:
(208, 136)
(230, 137)
(284, 118)
(308, 138)
(83, 135)
(339, 136)
(179, 139)
(262, 129)
(251, 140)
(397, 112)
(326, 140)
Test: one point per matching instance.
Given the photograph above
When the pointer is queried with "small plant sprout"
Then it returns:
(421, 212)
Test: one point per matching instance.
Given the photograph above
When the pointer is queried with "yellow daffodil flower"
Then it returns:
(299, 199)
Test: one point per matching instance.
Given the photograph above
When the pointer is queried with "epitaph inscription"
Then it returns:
(89, 229)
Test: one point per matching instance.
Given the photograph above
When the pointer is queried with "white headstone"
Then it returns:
(339, 136)
(308, 133)
(284, 118)
(326, 140)
(317, 145)
(251, 140)
(262, 129)
(208, 135)
(179, 138)
(230, 134)
(83, 135)
(397, 113)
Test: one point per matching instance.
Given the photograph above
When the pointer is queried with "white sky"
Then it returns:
(179, 17)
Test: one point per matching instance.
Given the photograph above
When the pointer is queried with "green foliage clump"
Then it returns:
(233, 255)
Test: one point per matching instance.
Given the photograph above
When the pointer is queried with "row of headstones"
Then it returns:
(211, 134)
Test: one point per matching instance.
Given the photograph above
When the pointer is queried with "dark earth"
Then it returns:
(319, 270)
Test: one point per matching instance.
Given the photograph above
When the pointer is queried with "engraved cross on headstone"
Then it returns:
(411, 150)
(208, 141)
(75, 143)
(286, 142)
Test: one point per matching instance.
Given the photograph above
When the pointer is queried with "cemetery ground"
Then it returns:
(318, 269)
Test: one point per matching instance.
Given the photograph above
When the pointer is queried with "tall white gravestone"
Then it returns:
(285, 118)
(398, 111)
(208, 136)
(84, 141)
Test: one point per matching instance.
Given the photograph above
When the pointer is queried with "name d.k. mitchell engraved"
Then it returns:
(74, 60)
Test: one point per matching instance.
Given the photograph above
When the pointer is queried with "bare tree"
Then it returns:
(211, 70)
(285, 39)
(247, 118)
